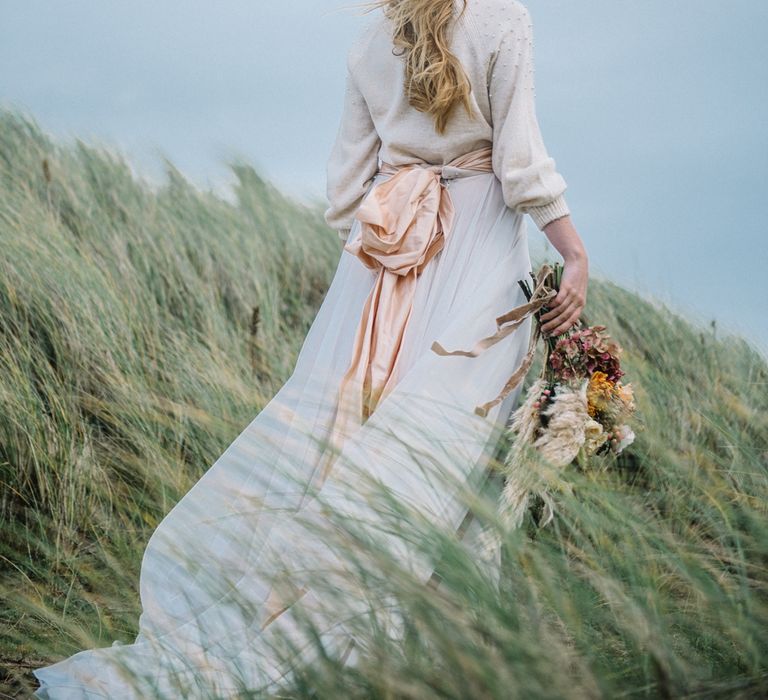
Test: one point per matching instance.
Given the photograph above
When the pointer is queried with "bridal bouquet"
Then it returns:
(578, 407)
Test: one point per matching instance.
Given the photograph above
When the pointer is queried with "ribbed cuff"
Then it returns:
(556, 209)
(344, 233)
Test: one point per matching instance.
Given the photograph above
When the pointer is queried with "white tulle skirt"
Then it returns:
(208, 567)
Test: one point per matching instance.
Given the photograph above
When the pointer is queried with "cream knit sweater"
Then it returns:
(494, 42)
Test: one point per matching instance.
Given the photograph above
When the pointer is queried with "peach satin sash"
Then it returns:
(404, 222)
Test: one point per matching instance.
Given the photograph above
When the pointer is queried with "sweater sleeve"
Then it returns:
(353, 160)
(529, 178)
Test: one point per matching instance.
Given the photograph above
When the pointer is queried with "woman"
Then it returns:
(437, 159)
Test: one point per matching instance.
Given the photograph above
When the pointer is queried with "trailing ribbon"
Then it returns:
(404, 222)
(541, 294)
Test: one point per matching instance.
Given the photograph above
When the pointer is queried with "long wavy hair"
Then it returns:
(435, 80)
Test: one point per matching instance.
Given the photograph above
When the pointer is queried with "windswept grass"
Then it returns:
(140, 330)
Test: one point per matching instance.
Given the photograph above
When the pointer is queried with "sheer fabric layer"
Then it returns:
(207, 568)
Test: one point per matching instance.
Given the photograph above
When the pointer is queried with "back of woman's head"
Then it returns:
(435, 81)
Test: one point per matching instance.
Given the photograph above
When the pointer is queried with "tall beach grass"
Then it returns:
(141, 328)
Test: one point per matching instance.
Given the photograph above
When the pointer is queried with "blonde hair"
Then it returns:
(435, 80)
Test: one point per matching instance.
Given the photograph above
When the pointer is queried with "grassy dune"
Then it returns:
(142, 329)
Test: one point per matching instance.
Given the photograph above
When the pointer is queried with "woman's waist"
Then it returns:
(467, 163)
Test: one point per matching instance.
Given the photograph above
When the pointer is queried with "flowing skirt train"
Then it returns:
(208, 568)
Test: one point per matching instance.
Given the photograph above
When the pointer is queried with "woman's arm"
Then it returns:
(530, 180)
(353, 161)
(567, 306)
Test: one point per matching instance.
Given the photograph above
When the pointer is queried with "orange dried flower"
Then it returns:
(599, 392)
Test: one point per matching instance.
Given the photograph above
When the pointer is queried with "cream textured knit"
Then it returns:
(493, 39)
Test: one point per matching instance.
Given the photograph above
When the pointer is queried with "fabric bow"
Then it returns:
(404, 223)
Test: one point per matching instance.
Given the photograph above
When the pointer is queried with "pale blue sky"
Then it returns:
(654, 111)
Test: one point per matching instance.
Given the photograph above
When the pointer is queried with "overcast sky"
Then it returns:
(655, 112)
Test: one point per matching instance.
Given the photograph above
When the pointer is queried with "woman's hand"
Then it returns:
(566, 307)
